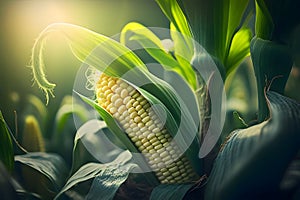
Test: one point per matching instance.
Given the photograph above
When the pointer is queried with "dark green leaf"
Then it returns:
(252, 162)
(264, 24)
(6, 147)
(172, 191)
(92, 170)
(107, 183)
(271, 62)
(291, 180)
(276, 20)
(97, 140)
(50, 165)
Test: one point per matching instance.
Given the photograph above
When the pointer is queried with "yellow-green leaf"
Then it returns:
(239, 49)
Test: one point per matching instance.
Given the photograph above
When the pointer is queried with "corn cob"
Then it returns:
(132, 111)
(32, 136)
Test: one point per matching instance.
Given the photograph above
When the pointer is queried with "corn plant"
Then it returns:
(156, 132)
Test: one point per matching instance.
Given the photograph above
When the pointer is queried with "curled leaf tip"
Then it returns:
(37, 65)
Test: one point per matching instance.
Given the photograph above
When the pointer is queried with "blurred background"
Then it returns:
(22, 21)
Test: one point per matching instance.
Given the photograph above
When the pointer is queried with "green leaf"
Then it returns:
(272, 62)
(153, 45)
(182, 88)
(172, 191)
(261, 152)
(50, 165)
(264, 25)
(66, 111)
(291, 179)
(276, 20)
(181, 36)
(214, 27)
(6, 147)
(107, 183)
(97, 139)
(184, 52)
(92, 170)
(95, 49)
(173, 11)
(239, 49)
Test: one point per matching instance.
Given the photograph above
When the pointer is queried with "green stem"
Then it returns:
(272, 64)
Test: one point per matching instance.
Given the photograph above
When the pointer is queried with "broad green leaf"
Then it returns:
(98, 141)
(239, 49)
(50, 165)
(6, 147)
(261, 152)
(106, 184)
(153, 45)
(92, 170)
(172, 191)
(272, 62)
